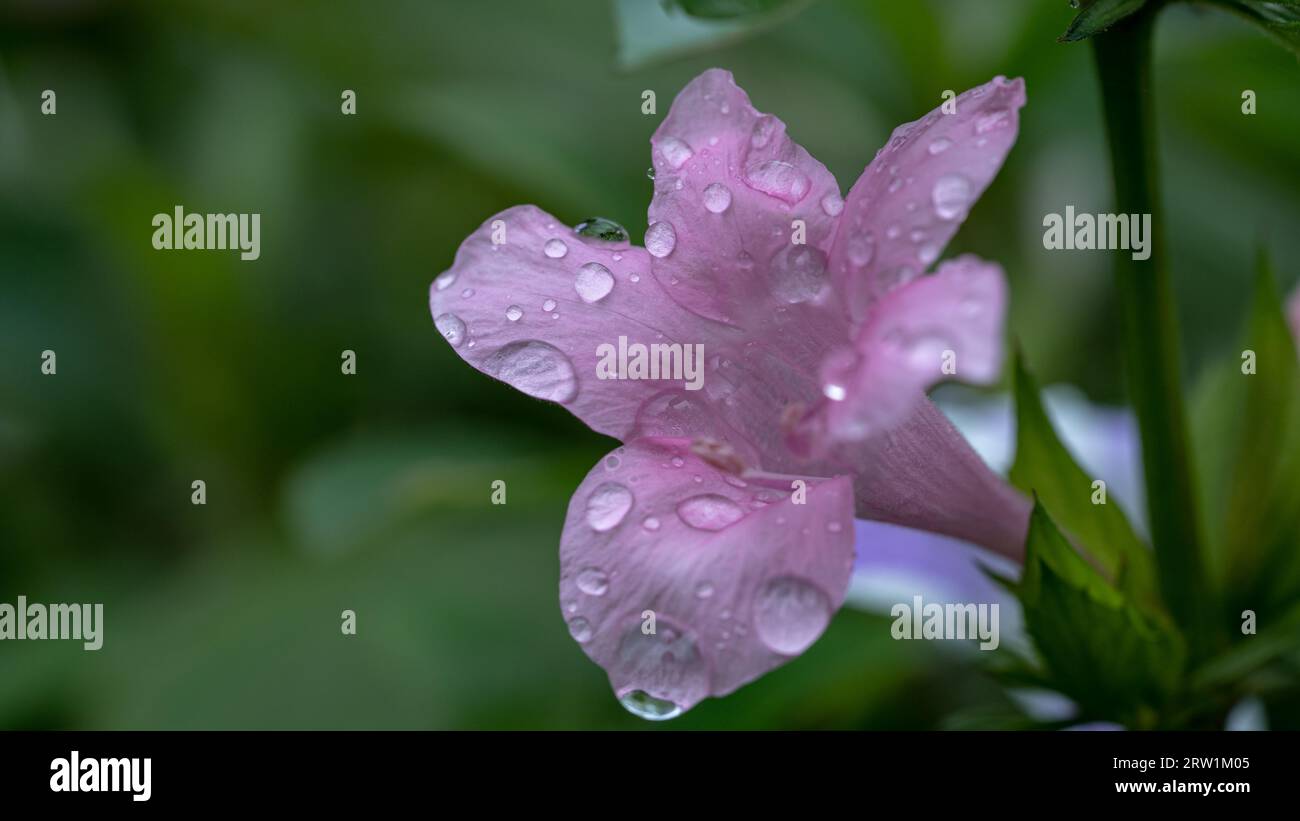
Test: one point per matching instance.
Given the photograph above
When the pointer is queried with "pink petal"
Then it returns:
(739, 578)
(535, 318)
(944, 326)
(729, 185)
(914, 196)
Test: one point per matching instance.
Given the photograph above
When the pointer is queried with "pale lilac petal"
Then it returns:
(533, 311)
(739, 577)
(729, 186)
(916, 193)
(940, 327)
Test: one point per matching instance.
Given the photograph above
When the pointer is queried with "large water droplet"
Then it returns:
(778, 179)
(536, 368)
(951, 196)
(593, 282)
(660, 239)
(607, 505)
(790, 613)
(643, 705)
(451, 327)
(593, 581)
(555, 248)
(666, 665)
(709, 511)
(676, 152)
(602, 229)
(717, 197)
(514, 313)
(580, 629)
(798, 273)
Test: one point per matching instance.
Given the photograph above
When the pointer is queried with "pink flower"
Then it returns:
(717, 542)
(1293, 314)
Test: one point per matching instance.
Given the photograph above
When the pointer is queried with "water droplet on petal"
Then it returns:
(709, 511)
(790, 613)
(951, 196)
(992, 120)
(467, 293)
(778, 179)
(798, 273)
(703, 590)
(580, 629)
(650, 523)
(861, 248)
(593, 282)
(660, 239)
(536, 368)
(607, 505)
(642, 705)
(940, 145)
(555, 248)
(601, 229)
(548, 305)
(678, 461)
(612, 462)
(717, 197)
(832, 204)
(834, 527)
(667, 668)
(676, 152)
(928, 253)
(593, 581)
(451, 327)
(763, 131)
(514, 313)
(444, 280)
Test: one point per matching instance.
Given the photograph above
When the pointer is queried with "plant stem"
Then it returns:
(1151, 342)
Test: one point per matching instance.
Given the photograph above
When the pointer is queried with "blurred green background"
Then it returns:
(371, 492)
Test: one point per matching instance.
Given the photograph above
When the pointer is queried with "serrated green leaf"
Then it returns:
(1097, 647)
(1095, 16)
(1045, 468)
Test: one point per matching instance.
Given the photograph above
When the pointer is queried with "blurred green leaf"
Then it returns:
(1248, 432)
(1045, 468)
(1280, 18)
(649, 32)
(726, 9)
(1095, 16)
(1097, 647)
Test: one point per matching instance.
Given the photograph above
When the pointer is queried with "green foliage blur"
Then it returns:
(370, 492)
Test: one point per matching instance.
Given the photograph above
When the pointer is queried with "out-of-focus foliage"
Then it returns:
(371, 492)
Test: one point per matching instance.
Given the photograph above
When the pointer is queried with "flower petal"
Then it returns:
(735, 576)
(729, 188)
(915, 194)
(1293, 314)
(534, 308)
(942, 326)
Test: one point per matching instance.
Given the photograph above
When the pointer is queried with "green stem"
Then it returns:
(1151, 342)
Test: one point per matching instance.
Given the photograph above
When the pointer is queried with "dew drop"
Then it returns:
(643, 705)
(580, 629)
(940, 145)
(444, 280)
(798, 273)
(602, 229)
(666, 667)
(832, 204)
(514, 313)
(709, 511)
(593, 581)
(451, 327)
(548, 305)
(703, 590)
(928, 253)
(467, 293)
(992, 120)
(555, 248)
(717, 197)
(607, 505)
(790, 613)
(676, 152)
(763, 131)
(536, 368)
(593, 282)
(651, 524)
(861, 249)
(778, 179)
(660, 239)
(951, 196)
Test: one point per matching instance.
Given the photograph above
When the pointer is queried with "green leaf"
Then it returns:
(1045, 468)
(1095, 16)
(1279, 18)
(1097, 647)
(1248, 435)
(650, 32)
